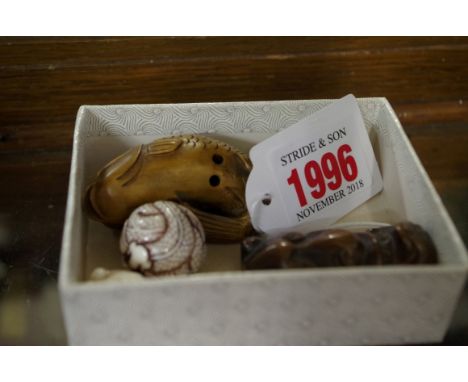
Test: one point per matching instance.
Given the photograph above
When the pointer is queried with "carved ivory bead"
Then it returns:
(163, 238)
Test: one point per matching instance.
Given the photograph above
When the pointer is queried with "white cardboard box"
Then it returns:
(224, 305)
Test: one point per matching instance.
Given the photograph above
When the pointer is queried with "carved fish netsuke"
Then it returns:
(202, 173)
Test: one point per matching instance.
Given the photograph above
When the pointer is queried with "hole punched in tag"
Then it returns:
(266, 201)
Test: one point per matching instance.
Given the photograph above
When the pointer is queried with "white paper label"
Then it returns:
(314, 172)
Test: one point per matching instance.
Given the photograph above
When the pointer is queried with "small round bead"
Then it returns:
(163, 238)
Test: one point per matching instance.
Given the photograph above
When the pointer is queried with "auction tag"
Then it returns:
(314, 172)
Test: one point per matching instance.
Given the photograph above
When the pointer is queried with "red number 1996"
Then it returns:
(328, 173)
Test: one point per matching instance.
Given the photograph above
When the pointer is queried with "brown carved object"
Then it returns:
(204, 174)
(403, 243)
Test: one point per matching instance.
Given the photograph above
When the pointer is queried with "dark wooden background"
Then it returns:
(43, 81)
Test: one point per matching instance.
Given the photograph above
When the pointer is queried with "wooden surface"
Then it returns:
(43, 81)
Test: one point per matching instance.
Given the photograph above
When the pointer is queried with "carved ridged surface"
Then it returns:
(163, 238)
